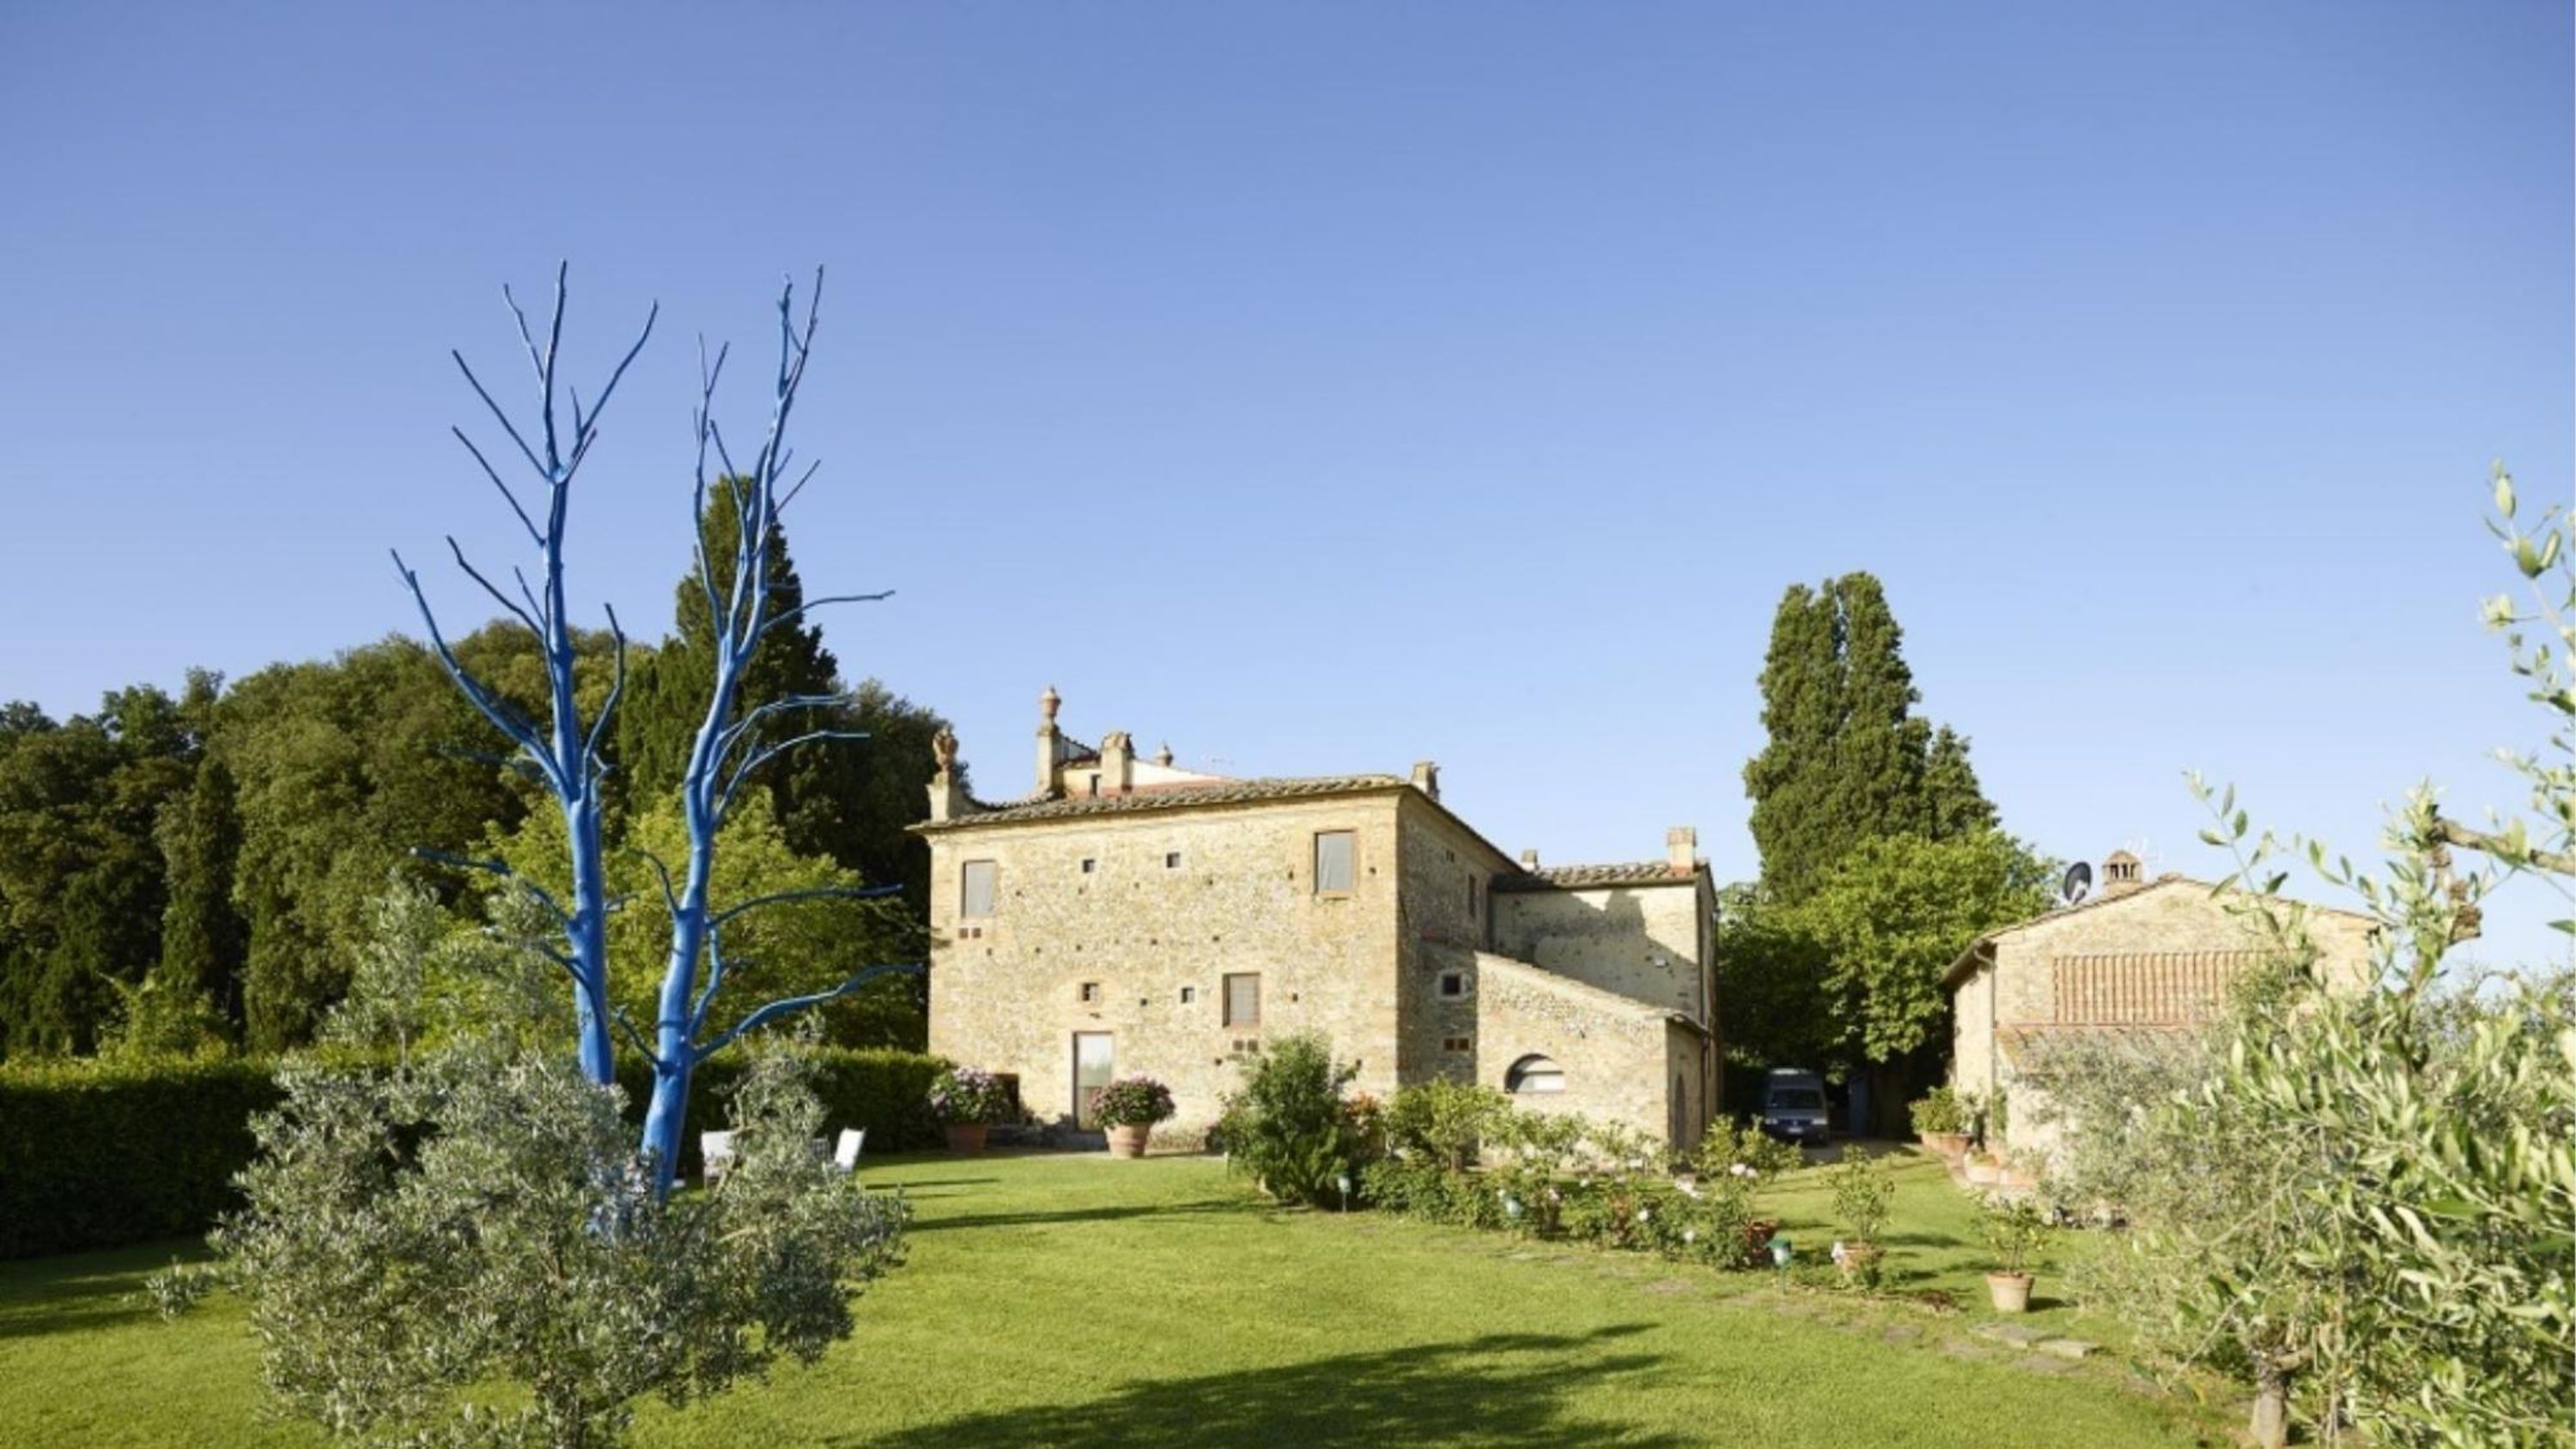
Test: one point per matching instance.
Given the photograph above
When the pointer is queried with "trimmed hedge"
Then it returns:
(98, 1155)
(93, 1155)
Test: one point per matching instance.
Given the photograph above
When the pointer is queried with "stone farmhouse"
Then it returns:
(2140, 961)
(1129, 916)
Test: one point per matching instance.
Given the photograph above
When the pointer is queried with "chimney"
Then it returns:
(1529, 861)
(947, 796)
(1426, 778)
(1117, 762)
(1163, 756)
(2121, 874)
(1048, 742)
(1681, 849)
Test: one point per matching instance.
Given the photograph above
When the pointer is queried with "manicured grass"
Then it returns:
(1075, 1300)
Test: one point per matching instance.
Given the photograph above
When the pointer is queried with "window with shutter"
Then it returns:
(975, 891)
(1335, 853)
(1243, 999)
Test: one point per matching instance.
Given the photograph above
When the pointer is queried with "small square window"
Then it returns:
(1458, 1044)
(1189, 994)
(1172, 860)
(1453, 983)
(1089, 865)
(1090, 992)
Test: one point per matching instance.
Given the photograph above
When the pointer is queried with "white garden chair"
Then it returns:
(845, 1153)
(715, 1149)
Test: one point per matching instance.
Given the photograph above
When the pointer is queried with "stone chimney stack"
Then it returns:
(2121, 874)
(1117, 763)
(1529, 861)
(1163, 756)
(1426, 778)
(1681, 849)
(947, 796)
(1048, 740)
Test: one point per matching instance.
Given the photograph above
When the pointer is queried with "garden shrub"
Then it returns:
(1450, 1122)
(1289, 1129)
(881, 1089)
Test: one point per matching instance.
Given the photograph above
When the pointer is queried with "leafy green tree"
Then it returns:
(80, 876)
(2359, 1196)
(344, 768)
(789, 949)
(1892, 915)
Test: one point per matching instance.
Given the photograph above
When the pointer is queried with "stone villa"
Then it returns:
(2143, 959)
(1129, 916)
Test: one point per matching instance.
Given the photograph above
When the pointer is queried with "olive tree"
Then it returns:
(2364, 1199)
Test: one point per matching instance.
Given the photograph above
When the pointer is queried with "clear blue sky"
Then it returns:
(1323, 387)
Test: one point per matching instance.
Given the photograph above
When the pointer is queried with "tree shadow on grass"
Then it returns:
(102, 1291)
(1082, 1215)
(1505, 1389)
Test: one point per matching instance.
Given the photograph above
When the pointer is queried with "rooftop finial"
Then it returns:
(1163, 756)
(943, 748)
(1048, 703)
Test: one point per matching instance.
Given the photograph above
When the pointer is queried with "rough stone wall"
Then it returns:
(1005, 990)
(2167, 919)
(1639, 941)
(1439, 933)
(1619, 1057)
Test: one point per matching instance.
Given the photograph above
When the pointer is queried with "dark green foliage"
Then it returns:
(80, 876)
(1798, 819)
(204, 941)
(844, 800)
(1289, 1129)
(94, 1154)
(344, 768)
(1846, 759)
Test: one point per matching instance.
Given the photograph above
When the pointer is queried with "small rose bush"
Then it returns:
(1134, 1102)
(968, 1095)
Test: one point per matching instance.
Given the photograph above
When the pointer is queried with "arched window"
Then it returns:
(1534, 1074)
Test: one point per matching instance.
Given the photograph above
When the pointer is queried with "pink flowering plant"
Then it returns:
(964, 1095)
(1134, 1102)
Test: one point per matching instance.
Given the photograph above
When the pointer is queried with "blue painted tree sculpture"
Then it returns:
(734, 739)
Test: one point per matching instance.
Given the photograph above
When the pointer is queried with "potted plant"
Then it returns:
(1942, 1122)
(967, 1100)
(1863, 1193)
(1129, 1107)
(2014, 1231)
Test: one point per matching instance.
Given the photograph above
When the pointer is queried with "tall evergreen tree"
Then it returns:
(1847, 759)
(205, 943)
(1795, 802)
(1956, 805)
(847, 802)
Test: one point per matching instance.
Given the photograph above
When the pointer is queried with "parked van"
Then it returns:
(1793, 1106)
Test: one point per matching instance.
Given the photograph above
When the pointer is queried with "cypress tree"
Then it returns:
(1791, 780)
(205, 944)
(1847, 759)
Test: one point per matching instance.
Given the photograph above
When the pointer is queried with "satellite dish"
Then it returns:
(2078, 883)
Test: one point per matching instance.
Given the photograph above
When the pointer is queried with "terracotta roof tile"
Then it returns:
(1579, 877)
(1163, 797)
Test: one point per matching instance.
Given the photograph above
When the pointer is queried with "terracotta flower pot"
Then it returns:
(966, 1136)
(1860, 1263)
(1128, 1139)
(2011, 1291)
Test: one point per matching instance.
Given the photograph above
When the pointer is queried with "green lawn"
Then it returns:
(1075, 1300)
